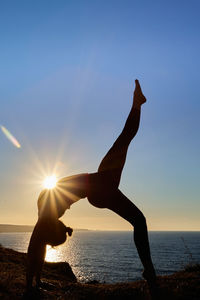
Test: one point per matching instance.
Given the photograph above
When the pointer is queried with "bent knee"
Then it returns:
(139, 219)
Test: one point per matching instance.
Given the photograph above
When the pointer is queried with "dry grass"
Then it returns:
(61, 283)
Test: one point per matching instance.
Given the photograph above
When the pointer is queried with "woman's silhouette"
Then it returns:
(101, 188)
(49, 230)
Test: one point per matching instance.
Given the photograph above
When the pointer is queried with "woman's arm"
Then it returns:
(35, 256)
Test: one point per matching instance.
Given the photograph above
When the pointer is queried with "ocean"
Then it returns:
(111, 256)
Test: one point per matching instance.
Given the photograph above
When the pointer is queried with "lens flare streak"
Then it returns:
(10, 137)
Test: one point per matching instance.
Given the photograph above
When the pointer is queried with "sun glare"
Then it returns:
(50, 182)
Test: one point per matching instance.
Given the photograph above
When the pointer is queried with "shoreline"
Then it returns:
(12, 228)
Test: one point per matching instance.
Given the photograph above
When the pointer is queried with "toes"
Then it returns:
(137, 86)
(138, 95)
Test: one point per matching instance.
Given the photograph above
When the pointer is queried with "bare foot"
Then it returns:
(138, 97)
(149, 276)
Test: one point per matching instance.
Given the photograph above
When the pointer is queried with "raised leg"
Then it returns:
(115, 159)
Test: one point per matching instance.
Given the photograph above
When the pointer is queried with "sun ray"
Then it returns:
(67, 194)
(53, 202)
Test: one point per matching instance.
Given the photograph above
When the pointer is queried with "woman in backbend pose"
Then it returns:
(101, 187)
(49, 230)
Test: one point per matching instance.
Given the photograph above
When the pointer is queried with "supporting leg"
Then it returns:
(121, 205)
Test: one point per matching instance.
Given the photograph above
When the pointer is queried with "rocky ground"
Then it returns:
(61, 283)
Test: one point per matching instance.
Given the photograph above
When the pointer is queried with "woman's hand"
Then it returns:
(69, 230)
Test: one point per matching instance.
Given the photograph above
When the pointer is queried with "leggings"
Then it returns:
(103, 185)
(104, 191)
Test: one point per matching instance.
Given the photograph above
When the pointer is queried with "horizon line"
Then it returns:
(125, 230)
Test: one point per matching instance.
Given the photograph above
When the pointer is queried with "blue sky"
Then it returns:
(66, 81)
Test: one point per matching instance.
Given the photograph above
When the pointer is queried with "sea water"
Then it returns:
(111, 256)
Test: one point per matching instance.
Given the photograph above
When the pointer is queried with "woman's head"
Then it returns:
(58, 234)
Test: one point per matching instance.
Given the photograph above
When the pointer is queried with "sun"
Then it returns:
(50, 182)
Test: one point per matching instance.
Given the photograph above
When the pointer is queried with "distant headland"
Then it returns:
(4, 228)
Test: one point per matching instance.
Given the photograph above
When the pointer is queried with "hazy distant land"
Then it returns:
(15, 228)
(4, 228)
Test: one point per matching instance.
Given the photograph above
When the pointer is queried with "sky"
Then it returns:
(66, 82)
